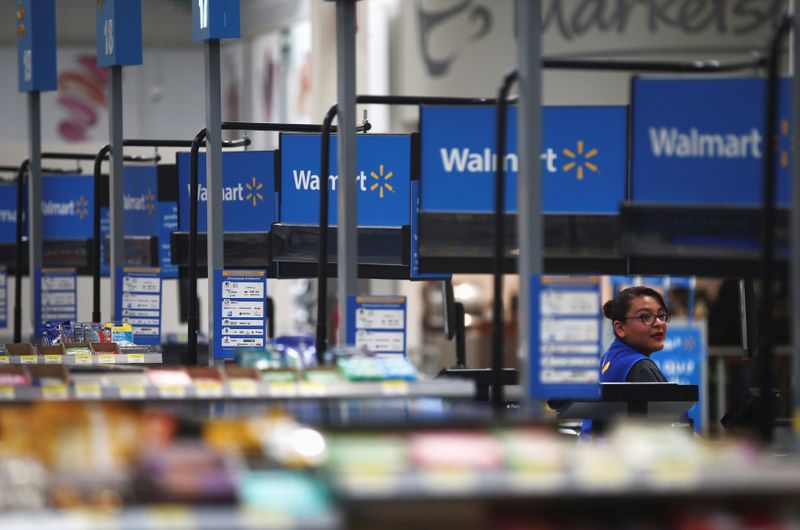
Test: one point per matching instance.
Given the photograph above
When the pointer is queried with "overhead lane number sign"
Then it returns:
(119, 32)
(583, 159)
(383, 180)
(248, 193)
(215, 19)
(701, 141)
(36, 45)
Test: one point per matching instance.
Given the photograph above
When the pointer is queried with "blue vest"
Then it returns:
(617, 361)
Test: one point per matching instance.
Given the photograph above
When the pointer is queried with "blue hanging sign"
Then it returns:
(583, 159)
(683, 361)
(415, 208)
(215, 19)
(67, 203)
(167, 223)
(3, 297)
(119, 32)
(248, 194)
(701, 141)
(377, 323)
(138, 301)
(140, 200)
(383, 179)
(36, 45)
(57, 295)
(565, 337)
(241, 311)
(8, 214)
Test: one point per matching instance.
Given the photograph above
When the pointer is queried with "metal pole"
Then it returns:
(347, 248)
(213, 176)
(96, 237)
(34, 202)
(795, 263)
(529, 181)
(116, 185)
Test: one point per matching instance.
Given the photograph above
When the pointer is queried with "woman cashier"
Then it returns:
(640, 318)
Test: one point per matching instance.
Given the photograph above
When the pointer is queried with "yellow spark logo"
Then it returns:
(20, 21)
(580, 160)
(81, 207)
(784, 152)
(253, 189)
(99, 6)
(381, 181)
(150, 202)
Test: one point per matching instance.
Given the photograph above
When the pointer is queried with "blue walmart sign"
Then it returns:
(140, 200)
(702, 141)
(683, 361)
(248, 193)
(383, 174)
(8, 213)
(67, 205)
(584, 159)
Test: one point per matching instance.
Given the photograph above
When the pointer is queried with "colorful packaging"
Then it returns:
(119, 332)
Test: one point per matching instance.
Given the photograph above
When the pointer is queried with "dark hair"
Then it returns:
(618, 307)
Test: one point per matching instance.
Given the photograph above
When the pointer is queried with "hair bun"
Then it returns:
(608, 309)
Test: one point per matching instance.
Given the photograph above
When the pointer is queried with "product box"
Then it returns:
(49, 374)
(77, 348)
(14, 376)
(21, 348)
(54, 349)
(241, 372)
(105, 347)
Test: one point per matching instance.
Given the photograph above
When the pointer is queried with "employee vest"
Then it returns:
(617, 361)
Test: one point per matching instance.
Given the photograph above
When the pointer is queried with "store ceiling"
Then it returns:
(165, 23)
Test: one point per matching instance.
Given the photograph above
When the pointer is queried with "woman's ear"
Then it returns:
(619, 329)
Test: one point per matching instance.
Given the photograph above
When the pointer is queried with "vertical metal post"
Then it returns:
(116, 184)
(529, 182)
(213, 176)
(34, 201)
(347, 249)
(795, 263)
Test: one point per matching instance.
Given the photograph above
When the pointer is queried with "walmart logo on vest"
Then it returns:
(78, 208)
(250, 192)
(141, 203)
(578, 160)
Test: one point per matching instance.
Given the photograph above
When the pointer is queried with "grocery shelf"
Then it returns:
(773, 482)
(238, 389)
(84, 359)
(165, 517)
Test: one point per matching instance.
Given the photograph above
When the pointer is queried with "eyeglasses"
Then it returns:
(648, 319)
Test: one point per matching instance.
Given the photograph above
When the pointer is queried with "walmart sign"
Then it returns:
(140, 200)
(248, 192)
(8, 213)
(67, 203)
(702, 141)
(383, 179)
(583, 157)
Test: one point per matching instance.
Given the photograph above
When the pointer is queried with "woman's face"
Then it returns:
(643, 336)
